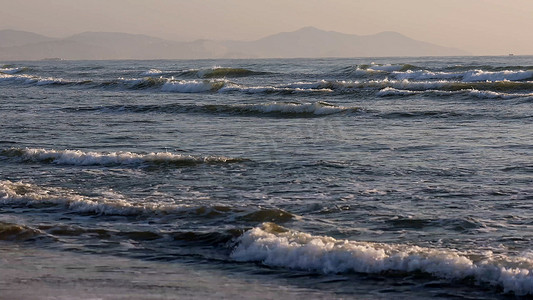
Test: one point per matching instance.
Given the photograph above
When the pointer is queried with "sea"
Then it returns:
(359, 178)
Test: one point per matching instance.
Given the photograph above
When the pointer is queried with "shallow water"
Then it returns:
(377, 178)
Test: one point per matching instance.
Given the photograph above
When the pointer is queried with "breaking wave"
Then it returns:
(32, 195)
(316, 108)
(273, 245)
(81, 158)
(381, 79)
(214, 72)
(193, 86)
(36, 80)
(373, 68)
(482, 94)
(111, 203)
(152, 72)
(468, 76)
(12, 71)
(15, 232)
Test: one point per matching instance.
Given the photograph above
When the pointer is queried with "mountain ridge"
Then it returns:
(307, 42)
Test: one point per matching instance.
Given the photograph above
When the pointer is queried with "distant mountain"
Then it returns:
(306, 42)
(11, 38)
(313, 42)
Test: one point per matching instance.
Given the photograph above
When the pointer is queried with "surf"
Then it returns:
(275, 246)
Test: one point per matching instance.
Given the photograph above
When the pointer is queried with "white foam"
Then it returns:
(406, 84)
(317, 108)
(12, 70)
(105, 203)
(152, 72)
(385, 68)
(321, 86)
(389, 91)
(193, 86)
(276, 246)
(497, 95)
(469, 76)
(425, 75)
(111, 203)
(479, 75)
(29, 194)
(81, 158)
(28, 79)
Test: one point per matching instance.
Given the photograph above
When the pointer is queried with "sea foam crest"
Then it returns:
(114, 204)
(468, 76)
(316, 108)
(12, 70)
(193, 86)
(152, 72)
(389, 91)
(497, 95)
(479, 75)
(81, 158)
(28, 79)
(376, 69)
(276, 246)
(425, 75)
(482, 94)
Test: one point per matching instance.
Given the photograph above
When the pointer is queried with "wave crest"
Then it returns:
(81, 158)
(272, 245)
(15, 232)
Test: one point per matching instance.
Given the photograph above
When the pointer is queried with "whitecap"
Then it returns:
(316, 108)
(193, 86)
(479, 75)
(82, 158)
(498, 95)
(152, 72)
(273, 245)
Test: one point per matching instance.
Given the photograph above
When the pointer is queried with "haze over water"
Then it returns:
(480, 27)
(323, 178)
(403, 172)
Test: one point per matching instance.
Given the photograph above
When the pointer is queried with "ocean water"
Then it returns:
(263, 179)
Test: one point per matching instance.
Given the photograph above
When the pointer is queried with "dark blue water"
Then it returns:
(371, 178)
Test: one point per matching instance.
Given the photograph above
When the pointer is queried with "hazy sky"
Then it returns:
(478, 26)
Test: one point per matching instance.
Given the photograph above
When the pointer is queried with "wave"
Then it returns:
(27, 195)
(276, 246)
(493, 68)
(411, 79)
(81, 158)
(222, 72)
(468, 76)
(193, 86)
(12, 71)
(28, 79)
(479, 75)
(374, 68)
(30, 195)
(171, 85)
(15, 232)
(316, 108)
(209, 73)
(277, 109)
(497, 95)
(152, 72)
(482, 94)
(389, 91)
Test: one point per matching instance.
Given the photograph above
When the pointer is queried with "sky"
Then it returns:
(482, 27)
